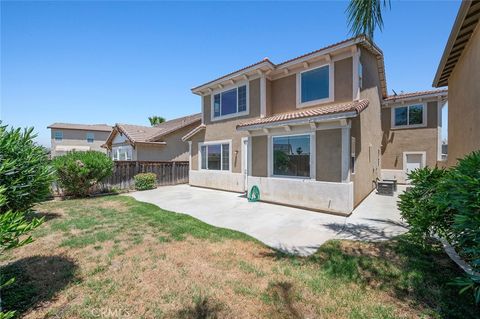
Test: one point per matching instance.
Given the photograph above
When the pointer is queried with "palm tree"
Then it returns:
(365, 15)
(155, 120)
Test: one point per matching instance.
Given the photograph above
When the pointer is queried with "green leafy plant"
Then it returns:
(155, 120)
(78, 172)
(144, 181)
(365, 15)
(418, 206)
(447, 203)
(25, 171)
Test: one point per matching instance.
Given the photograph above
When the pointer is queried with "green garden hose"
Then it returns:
(254, 194)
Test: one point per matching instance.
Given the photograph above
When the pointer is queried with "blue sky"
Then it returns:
(120, 62)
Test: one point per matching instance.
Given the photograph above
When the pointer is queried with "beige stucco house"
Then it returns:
(459, 68)
(67, 137)
(162, 142)
(306, 131)
(411, 127)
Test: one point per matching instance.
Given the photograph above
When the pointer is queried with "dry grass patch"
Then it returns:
(113, 257)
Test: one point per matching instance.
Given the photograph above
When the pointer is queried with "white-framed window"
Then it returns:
(215, 155)
(315, 85)
(414, 115)
(90, 137)
(292, 155)
(231, 102)
(58, 135)
(122, 153)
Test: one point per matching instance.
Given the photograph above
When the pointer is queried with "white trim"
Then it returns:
(312, 155)
(229, 142)
(331, 86)
(263, 96)
(346, 154)
(440, 105)
(245, 157)
(424, 124)
(190, 154)
(203, 107)
(411, 99)
(225, 89)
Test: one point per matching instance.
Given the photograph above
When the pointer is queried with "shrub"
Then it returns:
(447, 203)
(418, 206)
(25, 171)
(77, 172)
(459, 196)
(144, 181)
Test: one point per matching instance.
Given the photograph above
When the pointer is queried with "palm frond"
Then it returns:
(365, 15)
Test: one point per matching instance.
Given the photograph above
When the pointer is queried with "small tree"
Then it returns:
(77, 172)
(25, 171)
(155, 120)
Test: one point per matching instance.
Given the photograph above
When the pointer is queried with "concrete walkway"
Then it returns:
(288, 229)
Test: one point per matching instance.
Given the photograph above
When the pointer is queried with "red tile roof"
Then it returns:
(415, 94)
(355, 106)
(83, 127)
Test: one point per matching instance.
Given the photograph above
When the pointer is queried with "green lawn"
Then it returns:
(114, 257)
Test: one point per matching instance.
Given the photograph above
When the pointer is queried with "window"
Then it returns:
(315, 84)
(412, 115)
(230, 102)
(122, 153)
(90, 137)
(58, 135)
(215, 156)
(291, 155)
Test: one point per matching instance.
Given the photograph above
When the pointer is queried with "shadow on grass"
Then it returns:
(282, 295)
(45, 215)
(203, 308)
(37, 279)
(407, 271)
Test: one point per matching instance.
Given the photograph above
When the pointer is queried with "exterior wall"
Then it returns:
(366, 129)
(329, 155)
(78, 138)
(259, 156)
(284, 96)
(335, 197)
(396, 141)
(253, 100)
(464, 102)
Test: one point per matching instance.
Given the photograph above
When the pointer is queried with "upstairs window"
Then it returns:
(315, 85)
(230, 102)
(90, 137)
(58, 135)
(411, 115)
(215, 156)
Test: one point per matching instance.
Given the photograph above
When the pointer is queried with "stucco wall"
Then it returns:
(397, 141)
(329, 155)
(234, 182)
(324, 196)
(79, 138)
(283, 91)
(464, 102)
(259, 156)
(366, 129)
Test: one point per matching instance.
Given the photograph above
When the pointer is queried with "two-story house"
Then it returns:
(306, 131)
(412, 128)
(66, 137)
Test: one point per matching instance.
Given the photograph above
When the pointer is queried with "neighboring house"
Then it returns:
(306, 131)
(162, 142)
(459, 68)
(412, 128)
(67, 137)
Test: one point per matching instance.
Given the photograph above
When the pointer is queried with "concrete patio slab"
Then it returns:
(288, 229)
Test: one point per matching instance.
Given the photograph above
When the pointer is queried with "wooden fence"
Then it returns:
(168, 173)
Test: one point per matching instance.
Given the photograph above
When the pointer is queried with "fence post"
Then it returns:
(173, 174)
